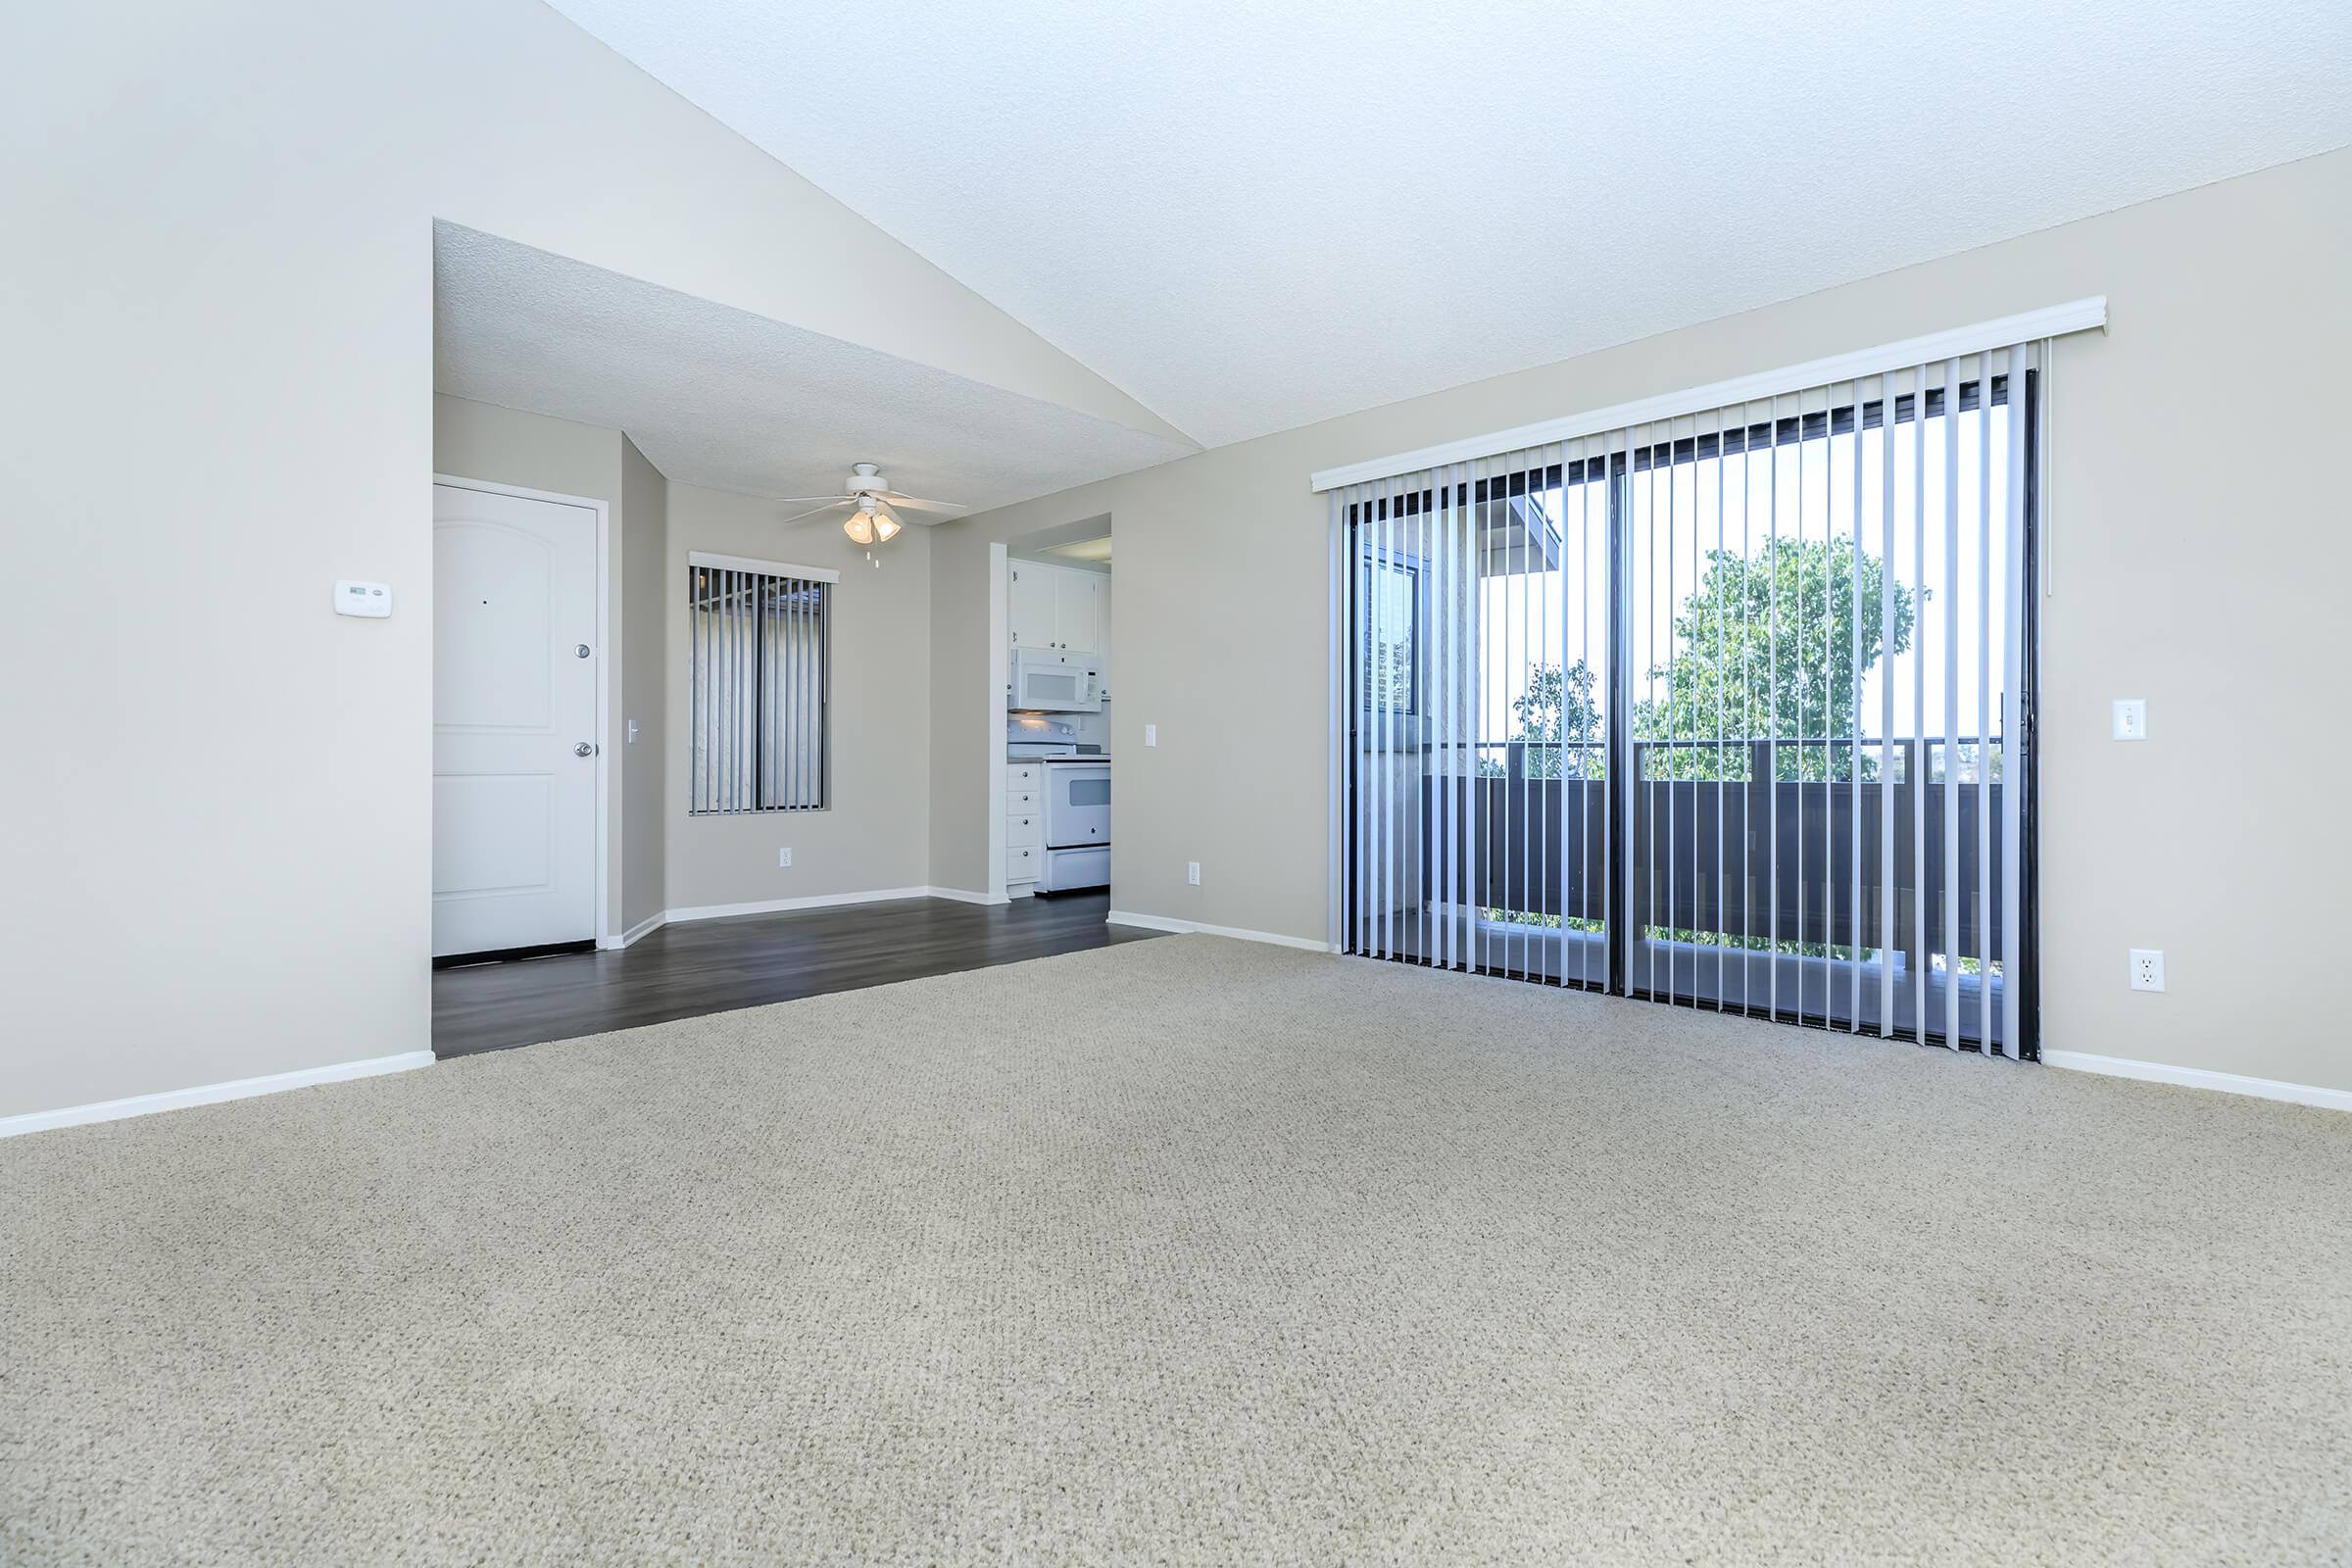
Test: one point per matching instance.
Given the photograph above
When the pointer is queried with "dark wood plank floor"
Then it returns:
(683, 971)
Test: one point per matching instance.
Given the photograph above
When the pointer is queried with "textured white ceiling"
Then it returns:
(715, 396)
(1251, 217)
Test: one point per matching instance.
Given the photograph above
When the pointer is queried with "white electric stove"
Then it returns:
(1073, 803)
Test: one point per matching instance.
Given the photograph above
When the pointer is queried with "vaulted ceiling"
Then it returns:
(721, 397)
(1251, 217)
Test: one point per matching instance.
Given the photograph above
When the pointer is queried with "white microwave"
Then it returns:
(1047, 680)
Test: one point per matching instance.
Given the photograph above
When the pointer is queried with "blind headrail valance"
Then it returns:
(2055, 320)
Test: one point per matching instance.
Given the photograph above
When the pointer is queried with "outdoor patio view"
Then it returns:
(1804, 616)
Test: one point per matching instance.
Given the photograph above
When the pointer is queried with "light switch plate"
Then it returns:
(371, 601)
(1151, 734)
(2131, 718)
(1192, 872)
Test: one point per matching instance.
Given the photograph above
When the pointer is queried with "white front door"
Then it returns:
(514, 731)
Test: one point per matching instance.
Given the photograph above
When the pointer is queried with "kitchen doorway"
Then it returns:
(1051, 621)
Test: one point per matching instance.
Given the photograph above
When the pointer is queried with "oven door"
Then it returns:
(1077, 807)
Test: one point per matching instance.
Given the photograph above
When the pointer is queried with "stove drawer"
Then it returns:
(1065, 869)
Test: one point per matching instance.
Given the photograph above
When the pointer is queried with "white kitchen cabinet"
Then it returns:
(1023, 801)
(1032, 605)
(1103, 636)
(1057, 607)
(1075, 626)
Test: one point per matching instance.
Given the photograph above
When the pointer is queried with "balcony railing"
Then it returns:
(1743, 857)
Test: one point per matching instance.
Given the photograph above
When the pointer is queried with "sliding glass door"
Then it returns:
(1725, 711)
(1476, 725)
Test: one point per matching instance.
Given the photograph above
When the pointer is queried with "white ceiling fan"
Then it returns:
(873, 505)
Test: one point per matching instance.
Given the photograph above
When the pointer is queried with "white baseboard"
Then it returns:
(2228, 1083)
(963, 896)
(1161, 922)
(339, 1072)
(642, 928)
(211, 1093)
(821, 901)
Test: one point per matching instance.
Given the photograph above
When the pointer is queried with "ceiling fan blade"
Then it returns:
(829, 505)
(918, 503)
(786, 501)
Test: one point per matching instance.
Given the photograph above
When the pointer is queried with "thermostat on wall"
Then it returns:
(370, 599)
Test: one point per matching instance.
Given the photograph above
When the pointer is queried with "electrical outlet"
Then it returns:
(2147, 969)
(1151, 734)
(1192, 872)
(783, 859)
(2131, 718)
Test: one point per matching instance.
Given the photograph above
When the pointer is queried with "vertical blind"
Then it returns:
(757, 648)
(1727, 710)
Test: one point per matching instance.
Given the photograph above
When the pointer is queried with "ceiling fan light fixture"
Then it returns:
(873, 521)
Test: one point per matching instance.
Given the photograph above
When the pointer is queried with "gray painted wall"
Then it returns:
(2200, 544)
(664, 858)
(235, 785)
(642, 695)
(875, 832)
(219, 375)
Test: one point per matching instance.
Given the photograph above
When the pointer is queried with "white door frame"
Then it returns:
(998, 617)
(606, 932)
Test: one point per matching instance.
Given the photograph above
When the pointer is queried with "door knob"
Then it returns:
(583, 749)
(579, 650)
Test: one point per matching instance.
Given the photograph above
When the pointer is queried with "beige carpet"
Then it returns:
(1186, 1251)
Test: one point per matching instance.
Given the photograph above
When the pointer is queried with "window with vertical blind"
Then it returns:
(1392, 635)
(758, 638)
(1728, 708)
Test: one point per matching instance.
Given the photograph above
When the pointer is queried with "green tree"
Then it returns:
(1767, 647)
(1558, 723)
(1738, 673)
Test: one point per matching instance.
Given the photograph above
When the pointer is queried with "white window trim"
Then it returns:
(772, 568)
